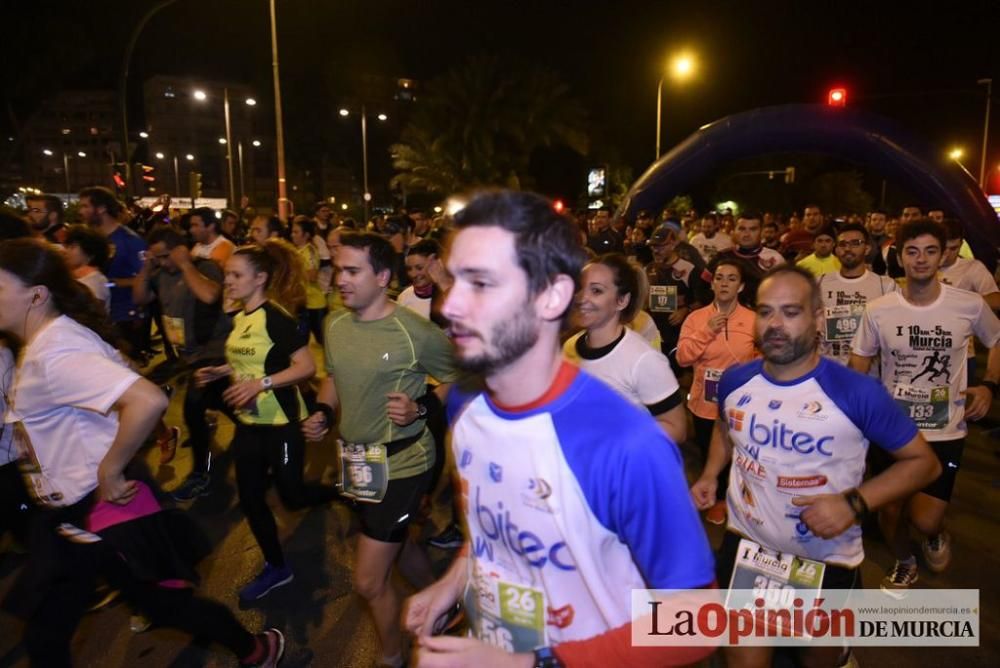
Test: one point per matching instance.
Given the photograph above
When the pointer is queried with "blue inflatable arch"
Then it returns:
(864, 138)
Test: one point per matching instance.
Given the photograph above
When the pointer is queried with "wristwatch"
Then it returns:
(857, 503)
(266, 383)
(421, 411)
(546, 658)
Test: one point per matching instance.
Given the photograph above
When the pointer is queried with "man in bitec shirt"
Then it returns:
(540, 454)
(846, 292)
(378, 357)
(922, 334)
(796, 426)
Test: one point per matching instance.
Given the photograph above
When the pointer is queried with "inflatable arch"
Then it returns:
(848, 133)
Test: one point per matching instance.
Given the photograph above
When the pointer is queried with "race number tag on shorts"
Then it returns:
(663, 298)
(174, 329)
(773, 576)
(843, 321)
(928, 407)
(364, 471)
(712, 377)
(505, 615)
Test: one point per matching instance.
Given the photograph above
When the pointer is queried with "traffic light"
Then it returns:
(147, 177)
(119, 172)
(194, 183)
(837, 97)
(789, 175)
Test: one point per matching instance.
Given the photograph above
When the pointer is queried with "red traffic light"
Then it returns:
(559, 206)
(837, 97)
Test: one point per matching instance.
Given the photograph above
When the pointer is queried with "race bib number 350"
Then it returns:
(776, 577)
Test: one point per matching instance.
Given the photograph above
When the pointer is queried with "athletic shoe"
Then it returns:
(139, 622)
(269, 578)
(274, 641)
(937, 552)
(103, 597)
(898, 581)
(449, 539)
(194, 486)
(168, 445)
(717, 513)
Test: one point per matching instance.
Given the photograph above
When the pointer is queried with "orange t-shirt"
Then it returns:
(711, 353)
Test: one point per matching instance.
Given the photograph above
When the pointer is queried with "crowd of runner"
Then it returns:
(567, 358)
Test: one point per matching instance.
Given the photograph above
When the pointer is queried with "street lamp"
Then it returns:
(227, 141)
(189, 157)
(144, 135)
(200, 95)
(177, 171)
(956, 153)
(364, 150)
(681, 68)
(251, 102)
(986, 131)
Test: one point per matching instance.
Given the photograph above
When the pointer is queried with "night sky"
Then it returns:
(916, 62)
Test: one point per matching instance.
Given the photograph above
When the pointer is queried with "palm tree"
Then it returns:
(479, 125)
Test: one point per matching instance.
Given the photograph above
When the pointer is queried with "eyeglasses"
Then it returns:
(850, 243)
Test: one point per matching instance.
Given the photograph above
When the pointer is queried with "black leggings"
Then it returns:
(312, 319)
(15, 504)
(281, 450)
(703, 437)
(196, 402)
(50, 629)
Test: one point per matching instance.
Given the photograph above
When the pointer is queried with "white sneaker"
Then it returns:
(937, 552)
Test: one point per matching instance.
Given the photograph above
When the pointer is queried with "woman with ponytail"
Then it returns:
(79, 414)
(267, 356)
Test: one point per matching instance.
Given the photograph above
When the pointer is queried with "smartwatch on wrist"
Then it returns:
(857, 503)
(546, 658)
(267, 383)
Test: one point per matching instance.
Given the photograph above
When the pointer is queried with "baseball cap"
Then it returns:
(663, 231)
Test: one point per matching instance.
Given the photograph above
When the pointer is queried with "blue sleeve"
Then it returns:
(736, 377)
(868, 405)
(458, 398)
(636, 488)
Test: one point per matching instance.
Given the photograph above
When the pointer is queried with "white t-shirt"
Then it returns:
(409, 299)
(64, 389)
(8, 452)
(97, 283)
(844, 302)
(325, 275)
(802, 437)
(709, 248)
(632, 367)
(969, 275)
(924, 354)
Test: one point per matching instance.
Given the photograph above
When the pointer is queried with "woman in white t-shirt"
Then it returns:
(88, 252)
(616, 354)
(79, 415)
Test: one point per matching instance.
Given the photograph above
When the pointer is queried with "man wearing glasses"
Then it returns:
(846, 292)
(46, 215)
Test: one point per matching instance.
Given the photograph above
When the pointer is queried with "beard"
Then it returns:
(508, 341)
(778, 348)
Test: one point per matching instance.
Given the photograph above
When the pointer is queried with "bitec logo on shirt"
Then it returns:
(778, 434)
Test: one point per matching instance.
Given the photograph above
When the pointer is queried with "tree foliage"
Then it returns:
(479, 124)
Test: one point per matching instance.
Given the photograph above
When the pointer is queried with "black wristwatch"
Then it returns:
(421, 411)
(546, 658)
(857, 503)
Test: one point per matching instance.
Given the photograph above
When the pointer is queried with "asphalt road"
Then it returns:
(327, 625)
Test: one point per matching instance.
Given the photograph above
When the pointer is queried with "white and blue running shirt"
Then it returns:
(803, 437)
(574, 500)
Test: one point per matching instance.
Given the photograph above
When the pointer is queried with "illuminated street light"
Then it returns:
(343, 207)
(956, 154)
(682, 67)
(344, 112)
(256, 143)
(144, 134)
(47, 151)
(81, 154)
(189, 157)
(251, 102)
(200, 95)
(382, 117)
(222, 140)
(160, 156)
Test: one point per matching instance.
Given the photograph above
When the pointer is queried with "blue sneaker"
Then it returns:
(270, 578)
(194, 485)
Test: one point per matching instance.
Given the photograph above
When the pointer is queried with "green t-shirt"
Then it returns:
(262, 343)
(367, 360)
